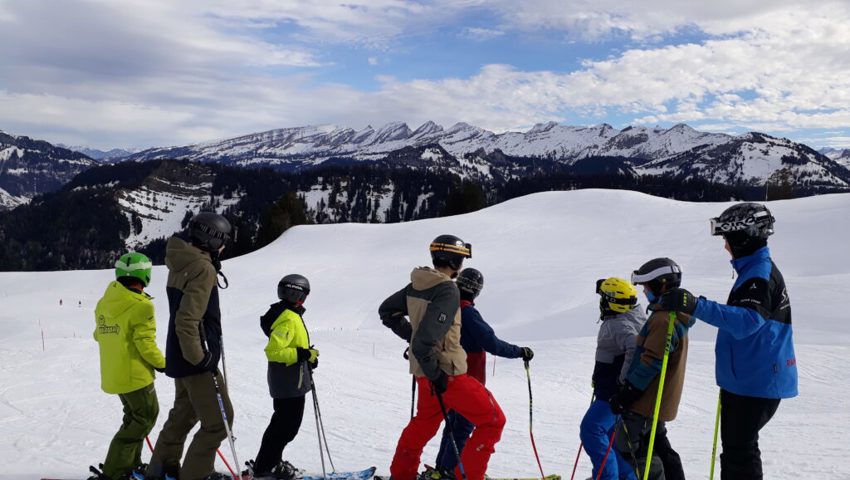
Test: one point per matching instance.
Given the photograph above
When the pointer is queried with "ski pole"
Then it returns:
(223, 362)
(631, 447)
(714, 446)
(451, 435)
(232, 472)
(607, 452)
(412, 394)
(530, 417)
(668, 342)
(319, 434)
(148, 440)
(580, 445)
(226, 423)
(322, 425)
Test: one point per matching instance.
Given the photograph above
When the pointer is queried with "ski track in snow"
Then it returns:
(56, 421)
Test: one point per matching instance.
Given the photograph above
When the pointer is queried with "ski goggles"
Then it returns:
(720, 227)
(641, 278)
(461, 249)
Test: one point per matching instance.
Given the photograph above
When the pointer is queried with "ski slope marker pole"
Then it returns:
(530, 410)
(226, 425)
(668, 342)
(607, 452)
(451, 434)
(714, 446)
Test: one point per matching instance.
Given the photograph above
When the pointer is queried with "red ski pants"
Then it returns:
(466, 396)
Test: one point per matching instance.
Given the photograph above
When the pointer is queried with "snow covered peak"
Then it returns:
(542, 127)
(427, 128)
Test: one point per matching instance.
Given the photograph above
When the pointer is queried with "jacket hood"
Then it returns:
(423, 278)
(118, 295)
(179, 253)
(739, 264)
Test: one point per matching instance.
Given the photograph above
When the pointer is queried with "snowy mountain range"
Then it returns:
(748, 159)
(103, 155)
(539, 292)
(29, 167)
(842, 156)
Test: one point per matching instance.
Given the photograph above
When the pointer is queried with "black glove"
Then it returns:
(160, 370)
(207, 363)
(310, 355)
(676, 300)
(527, 354)
(441, 383)
(625, 396)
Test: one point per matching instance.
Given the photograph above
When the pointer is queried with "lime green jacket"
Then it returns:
(287, 376)
(125, 329)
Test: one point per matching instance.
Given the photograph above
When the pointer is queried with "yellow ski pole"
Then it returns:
(714, 447)
(667, 344)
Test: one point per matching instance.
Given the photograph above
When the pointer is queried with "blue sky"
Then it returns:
(140, 73)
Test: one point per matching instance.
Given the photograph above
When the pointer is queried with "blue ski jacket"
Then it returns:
(754, 349)
(476, 335)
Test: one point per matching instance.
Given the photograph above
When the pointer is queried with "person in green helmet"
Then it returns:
(125, 329)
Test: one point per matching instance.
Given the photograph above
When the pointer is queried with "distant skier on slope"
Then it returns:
(477, 338)
(193, 352)
(622, 318)
(290, 375)
(125, 330)
(438, 361)
(635, 399)
(755, 366)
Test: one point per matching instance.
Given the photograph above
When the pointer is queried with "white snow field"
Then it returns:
(540, 255)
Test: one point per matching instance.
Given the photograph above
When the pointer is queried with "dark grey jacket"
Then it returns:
(615, 345)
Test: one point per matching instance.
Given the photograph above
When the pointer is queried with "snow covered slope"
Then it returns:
(541, 256)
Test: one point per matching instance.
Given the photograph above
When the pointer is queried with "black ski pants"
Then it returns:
(741, 418)
(282, 429)
(633, 432)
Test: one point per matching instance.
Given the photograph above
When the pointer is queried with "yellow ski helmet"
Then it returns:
(619, 295)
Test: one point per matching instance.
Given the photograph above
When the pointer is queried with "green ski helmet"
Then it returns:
(136, 265)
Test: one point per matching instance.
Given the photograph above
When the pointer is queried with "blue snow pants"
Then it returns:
(597, 426)
(462, 428)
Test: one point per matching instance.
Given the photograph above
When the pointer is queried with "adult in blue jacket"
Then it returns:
(477, 338)
(755, 363)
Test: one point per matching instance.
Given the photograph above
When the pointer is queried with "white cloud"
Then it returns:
(372, 60)
(482, 34)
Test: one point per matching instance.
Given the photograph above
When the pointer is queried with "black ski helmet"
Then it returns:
(209, 231)
(470, 282)
(293, 288)
(657, 273)
(745, 226)
(449, 250)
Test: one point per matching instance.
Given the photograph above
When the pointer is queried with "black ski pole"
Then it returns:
(322, 426)
(530, 422)
(451, 435)
(318, 432)
(412, 394)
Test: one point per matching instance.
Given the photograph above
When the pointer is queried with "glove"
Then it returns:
(676, 300)
(527, 354)
(310, 355)
(207, 363)
(160, 370)
(441, 383)
(625, 396)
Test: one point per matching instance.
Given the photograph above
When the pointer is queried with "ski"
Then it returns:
(547, 477)
(353, 475)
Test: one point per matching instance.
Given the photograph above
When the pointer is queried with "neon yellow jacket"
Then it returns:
(125, 329)
(287, 376)
(288, 333)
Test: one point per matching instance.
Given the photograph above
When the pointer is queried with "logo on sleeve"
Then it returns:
(442, 318)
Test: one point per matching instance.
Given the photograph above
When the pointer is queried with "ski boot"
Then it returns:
(282, 471)
(432, 473)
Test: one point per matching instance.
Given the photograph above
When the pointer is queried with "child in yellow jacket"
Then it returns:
(126, 333)
(291, 363)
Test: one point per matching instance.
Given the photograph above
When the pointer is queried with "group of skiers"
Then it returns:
(447, 339)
